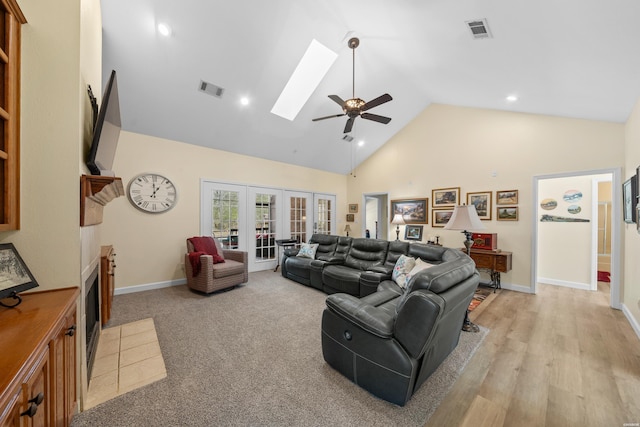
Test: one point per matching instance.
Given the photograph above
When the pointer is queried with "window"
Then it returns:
(11, 18)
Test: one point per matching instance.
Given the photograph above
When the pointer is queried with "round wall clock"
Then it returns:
(152, 193)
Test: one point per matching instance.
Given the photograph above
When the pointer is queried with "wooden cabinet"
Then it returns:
(496, 262)
(107, 281)
(38, 367)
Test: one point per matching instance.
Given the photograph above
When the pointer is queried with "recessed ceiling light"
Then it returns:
(164, 29)
(311, 69)
(511, 98)
(244, 101)
(360, 143)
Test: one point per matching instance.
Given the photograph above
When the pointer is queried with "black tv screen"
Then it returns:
(106, 131)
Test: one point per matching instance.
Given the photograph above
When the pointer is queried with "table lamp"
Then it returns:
(465, 218)
(398, 219)
(347, 229)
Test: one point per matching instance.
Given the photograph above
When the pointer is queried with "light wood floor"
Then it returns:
(561, 357)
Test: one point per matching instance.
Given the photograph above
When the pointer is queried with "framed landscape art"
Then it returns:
(507, 197)
(445, 197)
(441, 217)
(413, 232)
(482, 201)
(353, 208)
(507, 213)
(414, 211)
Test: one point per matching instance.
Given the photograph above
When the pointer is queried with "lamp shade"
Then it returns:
(397, 219)
(347, 228)
(464, 217)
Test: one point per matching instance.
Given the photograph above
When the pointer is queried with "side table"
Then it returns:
(284, 243)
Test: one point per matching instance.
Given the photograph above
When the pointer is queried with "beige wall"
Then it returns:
(631, 289)
(50, 136)
(565, 249)
(447, 146)
(151, 247)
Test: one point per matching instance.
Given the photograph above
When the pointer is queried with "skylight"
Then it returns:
(305, 79)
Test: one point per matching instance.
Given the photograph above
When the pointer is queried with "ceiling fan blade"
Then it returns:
(327, 117)
(375, 102)
(337, 100)
(349, 125)
(376, 118)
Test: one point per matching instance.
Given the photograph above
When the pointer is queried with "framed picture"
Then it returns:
(445, 197)
(482, 201)
(414, 211)
(353, 208)
(14, 275)
(507, 213)
(507, 197)
(441, 217)
(629, 199)
(413, 232)
(350, 218)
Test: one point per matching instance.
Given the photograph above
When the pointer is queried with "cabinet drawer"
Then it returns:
(503, 263)
(482, 260)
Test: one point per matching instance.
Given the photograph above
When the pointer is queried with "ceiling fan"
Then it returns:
(355, 107)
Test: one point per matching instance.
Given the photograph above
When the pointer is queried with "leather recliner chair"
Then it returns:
(391, 341)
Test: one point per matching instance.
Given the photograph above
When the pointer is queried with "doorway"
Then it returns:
(375, 221)
(568, 229)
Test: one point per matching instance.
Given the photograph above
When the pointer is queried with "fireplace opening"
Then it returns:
(92, 316)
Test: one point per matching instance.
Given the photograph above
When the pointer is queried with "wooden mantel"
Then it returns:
(95, 192)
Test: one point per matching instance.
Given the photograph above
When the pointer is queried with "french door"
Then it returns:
(265, 213)
(298, 216)
(252, 218)
(224, 214)
(324, 213)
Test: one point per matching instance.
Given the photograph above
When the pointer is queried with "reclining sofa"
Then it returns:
(385, 338)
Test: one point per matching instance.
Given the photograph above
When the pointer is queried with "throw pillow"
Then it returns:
(420, 265)
(404, 265)
(308, 250)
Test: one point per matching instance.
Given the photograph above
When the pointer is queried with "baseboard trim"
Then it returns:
(517, 288)
(149, 286)
(565, 283)
(632, 320)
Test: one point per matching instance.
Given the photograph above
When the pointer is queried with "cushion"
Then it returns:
(219, 247)
(403, 266)
(308, 250)
(419, 266)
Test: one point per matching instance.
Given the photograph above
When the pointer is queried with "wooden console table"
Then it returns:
(495, 262)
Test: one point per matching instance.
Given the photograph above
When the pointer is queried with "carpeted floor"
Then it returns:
(252, 356)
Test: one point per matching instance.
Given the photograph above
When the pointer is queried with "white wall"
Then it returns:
(151, 247)
(486, 150)
(565, 249)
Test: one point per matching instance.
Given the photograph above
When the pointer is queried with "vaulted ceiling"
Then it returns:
(571, 58)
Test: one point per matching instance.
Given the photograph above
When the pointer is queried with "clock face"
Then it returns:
(152, 193)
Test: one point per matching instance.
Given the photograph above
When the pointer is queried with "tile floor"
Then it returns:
(128, 357)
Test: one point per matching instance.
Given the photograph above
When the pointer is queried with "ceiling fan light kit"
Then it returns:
(356, 107)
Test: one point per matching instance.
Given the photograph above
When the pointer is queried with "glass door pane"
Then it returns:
(298, 216)
(324, 213)
(224, 214)
(266, 219)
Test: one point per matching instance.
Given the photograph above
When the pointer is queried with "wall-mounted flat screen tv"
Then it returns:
(106, 131)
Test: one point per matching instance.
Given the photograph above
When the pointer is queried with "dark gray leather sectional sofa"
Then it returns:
(384, 338)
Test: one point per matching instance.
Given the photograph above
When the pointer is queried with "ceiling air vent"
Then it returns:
(347, 138)
(211, 89)
(479, 29)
